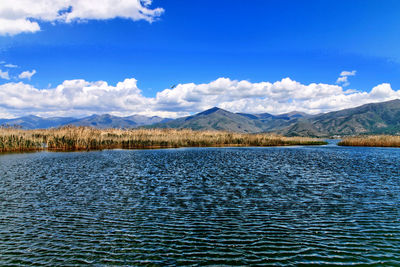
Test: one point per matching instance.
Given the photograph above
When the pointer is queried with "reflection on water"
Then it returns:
(229, 206)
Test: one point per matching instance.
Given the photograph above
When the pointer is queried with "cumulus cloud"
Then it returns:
(27, 74)
(25, 15)
(16, 26)
(80, 98)
(278, 97)
(4, 75)
(343, 78)
(74, 98)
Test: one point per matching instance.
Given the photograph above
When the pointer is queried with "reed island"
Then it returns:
(372, 141)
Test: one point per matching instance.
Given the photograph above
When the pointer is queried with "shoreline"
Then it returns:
(156, 148)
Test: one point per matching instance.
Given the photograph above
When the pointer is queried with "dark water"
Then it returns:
(217, 206)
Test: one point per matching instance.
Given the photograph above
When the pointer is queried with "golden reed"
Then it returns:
(72, 138)
(372, 140)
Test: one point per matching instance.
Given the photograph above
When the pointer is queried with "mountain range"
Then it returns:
(98, 121)
(374, 118)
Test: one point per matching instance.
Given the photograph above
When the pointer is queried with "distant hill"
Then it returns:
(109, 121)
(293, 115)
(98, 121)
(274, 122)
(35, 122)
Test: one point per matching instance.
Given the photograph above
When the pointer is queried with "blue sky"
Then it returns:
(201, 41)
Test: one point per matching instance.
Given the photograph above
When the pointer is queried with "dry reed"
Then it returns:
(372, 140)
(85, 138)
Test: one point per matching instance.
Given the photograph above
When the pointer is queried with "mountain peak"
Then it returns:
(209, 111)
(99, 115)
(106, 115)
(295, 112)
(31, 117)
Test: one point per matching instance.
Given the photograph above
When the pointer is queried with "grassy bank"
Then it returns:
(372, 140)
(86, 138)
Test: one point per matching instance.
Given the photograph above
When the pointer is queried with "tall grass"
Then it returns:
(85, 138)
(372, 140)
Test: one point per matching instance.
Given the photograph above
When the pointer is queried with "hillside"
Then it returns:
(216, 119)
(374, 118)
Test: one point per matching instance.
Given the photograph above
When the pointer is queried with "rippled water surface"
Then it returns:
(199, 206)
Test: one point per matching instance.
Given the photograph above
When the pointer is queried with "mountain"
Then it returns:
(374, 118)
(144, 120)
(98, 121)
(105, 121)
(267, 117)
(293, 115)
(274, 122)
(35, 122)
(216, 119)
(109, 121)
(219, 119)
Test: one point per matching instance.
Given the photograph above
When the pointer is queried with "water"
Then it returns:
(201, 206)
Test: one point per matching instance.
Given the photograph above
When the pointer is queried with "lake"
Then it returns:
(201, 206)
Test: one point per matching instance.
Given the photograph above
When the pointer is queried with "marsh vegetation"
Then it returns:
(372, 140)
(86, 138)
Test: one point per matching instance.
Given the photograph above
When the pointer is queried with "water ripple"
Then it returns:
(206, 206)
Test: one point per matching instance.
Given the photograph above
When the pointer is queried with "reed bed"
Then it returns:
(86, 138)
(372, 140)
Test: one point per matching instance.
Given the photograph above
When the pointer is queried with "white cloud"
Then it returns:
(27, 74)
(80, 98)
(348, 73)
(18, 16)
(343, 78)
(16, 26)
(4, 75)
(10, 66)
(73, 97)
(278, 97)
